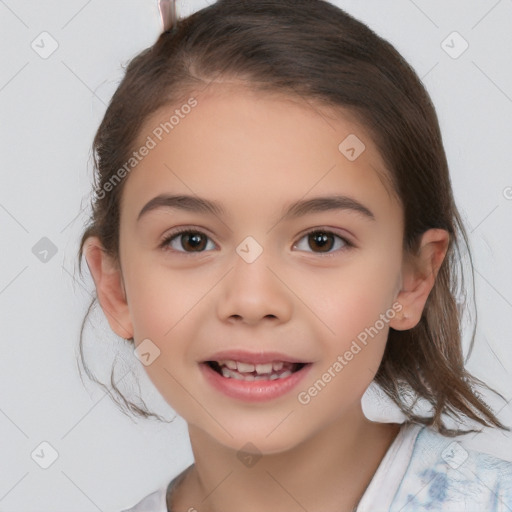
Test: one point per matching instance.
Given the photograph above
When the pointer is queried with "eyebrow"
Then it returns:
(297, 209)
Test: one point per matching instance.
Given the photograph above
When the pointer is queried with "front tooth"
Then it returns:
(264, 368)
(245, 367)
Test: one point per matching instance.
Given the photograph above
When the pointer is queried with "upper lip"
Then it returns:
(253, 357)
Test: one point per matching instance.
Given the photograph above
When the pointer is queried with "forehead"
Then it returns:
(238, 143)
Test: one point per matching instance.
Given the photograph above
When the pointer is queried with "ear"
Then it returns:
(109, 287)
(419, 273)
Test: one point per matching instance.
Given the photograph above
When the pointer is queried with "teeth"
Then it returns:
(245, 367)
(226, 372)
(264, 368)
(248, 367)
(231, 374)
(230, 364)
(252, 372)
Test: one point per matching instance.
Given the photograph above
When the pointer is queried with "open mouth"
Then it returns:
(252, 372)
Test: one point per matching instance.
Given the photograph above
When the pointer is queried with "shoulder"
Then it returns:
(154, 502)
(444, 475)
(157, 500)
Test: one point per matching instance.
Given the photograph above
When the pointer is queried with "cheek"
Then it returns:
(152, 310)
(355, 296)
(160, 298)
(163, 307)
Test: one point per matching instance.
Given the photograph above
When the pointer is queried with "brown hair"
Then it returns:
(314, 50)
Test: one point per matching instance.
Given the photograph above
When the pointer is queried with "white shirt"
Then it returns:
(421, 471)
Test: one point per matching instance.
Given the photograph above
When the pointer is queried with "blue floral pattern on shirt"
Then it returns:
(445, 476)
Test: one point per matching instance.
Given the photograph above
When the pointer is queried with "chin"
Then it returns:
(259, 438)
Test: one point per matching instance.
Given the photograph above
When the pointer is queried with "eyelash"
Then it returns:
(175, 234)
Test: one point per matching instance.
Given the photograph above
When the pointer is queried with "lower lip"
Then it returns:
(253, 391)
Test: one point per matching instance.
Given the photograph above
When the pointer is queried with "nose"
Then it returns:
(253, 292)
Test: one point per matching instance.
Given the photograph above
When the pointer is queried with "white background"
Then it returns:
(50, 109)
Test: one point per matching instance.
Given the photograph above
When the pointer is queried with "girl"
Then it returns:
(273, 230)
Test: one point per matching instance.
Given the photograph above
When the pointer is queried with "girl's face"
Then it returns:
(260, 275)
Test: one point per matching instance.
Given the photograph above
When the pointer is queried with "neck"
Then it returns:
(328, 471)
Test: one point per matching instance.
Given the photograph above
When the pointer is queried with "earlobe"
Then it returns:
(109, 287)
(419, 273)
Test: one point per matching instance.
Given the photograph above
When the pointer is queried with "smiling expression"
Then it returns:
(287, 246)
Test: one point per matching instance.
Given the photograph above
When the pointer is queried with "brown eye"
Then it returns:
(193, 241)
(322, 241)
(186, 241)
